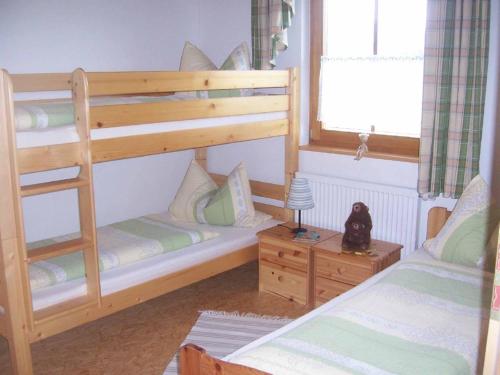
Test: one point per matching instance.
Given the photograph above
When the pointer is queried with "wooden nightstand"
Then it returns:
(285, 266)
(335, 272)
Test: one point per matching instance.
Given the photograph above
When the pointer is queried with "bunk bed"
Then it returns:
(110, 131)
(377, 327)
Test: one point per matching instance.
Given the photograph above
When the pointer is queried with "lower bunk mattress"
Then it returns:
(136, 251)
(420, 316)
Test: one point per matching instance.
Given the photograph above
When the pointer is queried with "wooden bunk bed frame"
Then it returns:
(19, 324)
(194, 360)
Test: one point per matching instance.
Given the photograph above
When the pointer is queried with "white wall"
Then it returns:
(53, 36)
(58, 36)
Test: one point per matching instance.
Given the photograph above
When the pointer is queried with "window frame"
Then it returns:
(386, 146)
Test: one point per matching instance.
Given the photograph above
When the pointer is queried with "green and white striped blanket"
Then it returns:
(423, 317)
(119, 244)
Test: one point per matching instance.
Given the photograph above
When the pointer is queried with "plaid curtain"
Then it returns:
(270, 19)
(455, 65)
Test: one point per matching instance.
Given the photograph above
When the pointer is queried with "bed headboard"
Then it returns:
(436, 218)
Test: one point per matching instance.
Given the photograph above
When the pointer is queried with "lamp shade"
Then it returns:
(300, 195)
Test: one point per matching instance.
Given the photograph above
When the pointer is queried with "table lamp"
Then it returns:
(299, 198)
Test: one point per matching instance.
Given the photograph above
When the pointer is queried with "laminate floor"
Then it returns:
(143, 339)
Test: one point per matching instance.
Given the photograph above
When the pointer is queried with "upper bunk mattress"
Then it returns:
(52, 123)
(144, 259)
(420, 316)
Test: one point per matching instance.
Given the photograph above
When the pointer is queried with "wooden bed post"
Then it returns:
(196, 361)
(86, 192)
(292, 139)
(200, 155)
(12, 293)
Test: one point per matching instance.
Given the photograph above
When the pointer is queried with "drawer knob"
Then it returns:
(280, 278)
(340, 270)
(281, 253)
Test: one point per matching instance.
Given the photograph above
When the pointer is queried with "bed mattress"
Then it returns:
(52, 124)
(229, 240)
(419, 316)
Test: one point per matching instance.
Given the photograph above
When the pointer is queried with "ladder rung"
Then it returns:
(49, 187)
(57, 249)
(65, 308)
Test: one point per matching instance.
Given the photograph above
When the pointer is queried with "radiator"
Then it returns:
(394, 210)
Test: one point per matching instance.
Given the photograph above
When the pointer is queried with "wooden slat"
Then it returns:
(259, 188)
(108, 116)
(140, 145)
(116, 83)
(48, 187)
(41, 82)
(57, 249)
(278, 213)
(36, 159)
(64, 309)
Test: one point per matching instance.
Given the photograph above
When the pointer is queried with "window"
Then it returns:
(366, 73)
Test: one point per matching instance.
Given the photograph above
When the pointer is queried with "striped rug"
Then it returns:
(221, 333)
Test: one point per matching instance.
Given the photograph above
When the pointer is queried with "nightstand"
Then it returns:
(285, 265)
(335, 272)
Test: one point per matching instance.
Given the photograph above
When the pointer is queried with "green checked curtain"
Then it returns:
(270, 19)
(455, 65)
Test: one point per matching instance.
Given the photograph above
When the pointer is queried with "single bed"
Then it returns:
(152, 267)
(419, 316)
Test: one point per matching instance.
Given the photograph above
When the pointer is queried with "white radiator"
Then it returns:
(394, 210)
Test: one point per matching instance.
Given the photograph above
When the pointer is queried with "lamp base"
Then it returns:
(299, 230)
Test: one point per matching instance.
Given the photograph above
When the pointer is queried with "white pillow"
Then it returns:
(258, 219)
(464, 237)
(194, 192)
(193, 59)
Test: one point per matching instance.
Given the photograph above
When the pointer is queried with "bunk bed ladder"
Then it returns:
(87, 240)
(86, 243)
(16, 318)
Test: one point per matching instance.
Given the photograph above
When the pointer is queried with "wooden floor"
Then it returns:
(142, 339)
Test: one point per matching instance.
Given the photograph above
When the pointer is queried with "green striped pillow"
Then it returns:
(239, 59)
(463, 239)
(231, 204)
(193, 59)
(195, 191)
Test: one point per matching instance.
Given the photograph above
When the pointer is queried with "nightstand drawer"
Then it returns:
(333, 269)
(283, 253)
(326, 289)
(284, 281)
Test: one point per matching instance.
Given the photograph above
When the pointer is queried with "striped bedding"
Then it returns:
(422, 317)
(119, 244)
(39, 116)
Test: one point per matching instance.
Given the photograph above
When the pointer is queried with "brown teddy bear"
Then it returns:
(357, 228)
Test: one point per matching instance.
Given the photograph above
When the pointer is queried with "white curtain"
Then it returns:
(357, 93)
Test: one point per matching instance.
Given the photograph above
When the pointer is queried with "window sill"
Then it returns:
(372, 155)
